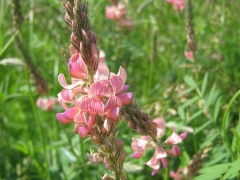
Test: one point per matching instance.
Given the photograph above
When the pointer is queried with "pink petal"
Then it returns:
(117, 83)
(80, 118)
(174, 138)
(184, 135)
(63, 83)
(137, 155)
(92, 105)
(113, 114)
(123, 74)
(175, 151)
(63, 119)
(77, 67)
(139, 144)
(161, 126)
(83, 131)
(102, 72)
(154, 163)
(107, 125)
(126, 98)
(100, 88)
(160, 153)
(112, 103)
(164, 162)
(124, 89)
(91, 120)
(71, 112)
(67, 95)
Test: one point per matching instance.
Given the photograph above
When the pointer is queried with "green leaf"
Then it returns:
(181, 113)
(199, 129)
(189, 80)
(217, 109)
(212, 172)
(204, 84)
(209, 140)
(190, 101)
(195, 115)
(186, 91)
(68, 154)
(233, 170)
(130, 167)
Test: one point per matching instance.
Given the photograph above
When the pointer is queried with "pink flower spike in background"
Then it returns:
(46, 104)
(177, 4)
(189, 55)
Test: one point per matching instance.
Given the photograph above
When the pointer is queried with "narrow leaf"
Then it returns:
(204, 83)
(189, 80)
(199, 129)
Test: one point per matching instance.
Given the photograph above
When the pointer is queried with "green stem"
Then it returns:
(224, 126)
(167, 172)
(36, 117)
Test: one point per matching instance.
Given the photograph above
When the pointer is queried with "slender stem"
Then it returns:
(36, 117)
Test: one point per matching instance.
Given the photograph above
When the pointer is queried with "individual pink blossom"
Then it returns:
(139, 146)
(189, 55)
(46, 104)
(178, 4)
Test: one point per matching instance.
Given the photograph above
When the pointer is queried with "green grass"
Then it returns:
(34, 145)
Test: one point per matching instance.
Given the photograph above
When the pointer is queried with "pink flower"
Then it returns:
(176, 175)
(139, 146)
(115, 12)
(189, 55)
(178, 4)
(46, 104)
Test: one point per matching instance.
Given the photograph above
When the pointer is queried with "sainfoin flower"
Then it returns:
(178, 4)
(103, 97)
(139, 146)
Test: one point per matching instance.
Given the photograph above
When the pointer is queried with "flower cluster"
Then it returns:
(177, 4)
(103, 97)
(139, 146)
(117, 12)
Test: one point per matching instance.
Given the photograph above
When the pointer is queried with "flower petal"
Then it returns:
(161, 126)
(102, 72)
(63, 83)
(113, 114)
(123, 74)
(83, 131)
(174, 138)
(117, 83)
(100, 88)
(126, 98)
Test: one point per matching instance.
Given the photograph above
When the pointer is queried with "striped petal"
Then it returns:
(102, 72)
(117, 83)
(100, 88)
(83, 131)
(92, 105)
(123, 74)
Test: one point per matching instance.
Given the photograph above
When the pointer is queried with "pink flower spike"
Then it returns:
(184, 135)
(174, 138)
(189, 55)
(126, 98)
